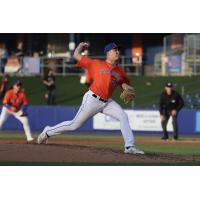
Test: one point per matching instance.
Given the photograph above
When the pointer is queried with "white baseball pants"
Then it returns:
(24, 120)
(91, 106)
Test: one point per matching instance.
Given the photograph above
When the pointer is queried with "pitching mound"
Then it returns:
(17, 152)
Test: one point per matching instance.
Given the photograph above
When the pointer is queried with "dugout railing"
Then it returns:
(63, 66)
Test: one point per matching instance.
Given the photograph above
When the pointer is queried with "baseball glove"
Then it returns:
(24, 114)
(127, 95)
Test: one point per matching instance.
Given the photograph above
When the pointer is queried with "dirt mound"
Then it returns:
(17, 152)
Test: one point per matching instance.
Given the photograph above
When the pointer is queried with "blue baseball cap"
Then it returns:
(110, 46)
(18, 83)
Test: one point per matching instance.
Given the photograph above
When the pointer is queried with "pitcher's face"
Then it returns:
(113, 55)
(16, 88)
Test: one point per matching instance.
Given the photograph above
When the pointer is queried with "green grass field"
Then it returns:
(70, 92)
(150, 143)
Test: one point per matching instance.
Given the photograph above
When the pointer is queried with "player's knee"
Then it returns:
(75, 126)
(123, 116)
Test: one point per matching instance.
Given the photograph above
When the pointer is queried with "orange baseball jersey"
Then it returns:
(15, 100)
(105, 77)
(88, 77)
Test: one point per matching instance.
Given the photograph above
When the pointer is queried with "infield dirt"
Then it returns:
(65, 152)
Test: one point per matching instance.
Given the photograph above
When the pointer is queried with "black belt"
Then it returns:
(100, 99)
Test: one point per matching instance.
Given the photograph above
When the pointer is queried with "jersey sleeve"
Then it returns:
(6, 99)
(125, 78)
(85, 62)
(24, 99)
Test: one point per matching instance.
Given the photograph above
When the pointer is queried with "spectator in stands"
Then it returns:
(49, 82)
(3, 57)
(171, 103)
(20, 51)
(4, 86)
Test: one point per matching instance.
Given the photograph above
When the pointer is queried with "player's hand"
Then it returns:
(13, 109)
(77, 53)
(127, 87)
(83, 45)
(162, 117)
(173, 112)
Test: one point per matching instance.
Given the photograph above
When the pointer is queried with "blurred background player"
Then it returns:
(19, 53)
(171, 103)
(4, 86)
(49, 82)
(106, 75)
(15, 103)
(3, 57)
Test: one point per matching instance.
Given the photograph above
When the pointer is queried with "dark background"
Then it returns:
(35, 42)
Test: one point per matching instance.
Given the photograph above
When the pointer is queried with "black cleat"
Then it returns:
(175, 138)
(164, 138)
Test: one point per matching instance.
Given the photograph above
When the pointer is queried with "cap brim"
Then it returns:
(18, 84)
(117, 47)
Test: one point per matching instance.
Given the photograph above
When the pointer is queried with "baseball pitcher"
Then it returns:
(15, 103)
(106, 75)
